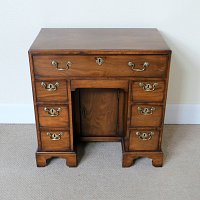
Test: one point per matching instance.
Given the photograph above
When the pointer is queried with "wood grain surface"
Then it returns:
(112, 66)
(140, 95)
(137, 144)
(100, 40)
(99, 112)
(55, 145)
(138, 119)
(50, 96)
(62, 120)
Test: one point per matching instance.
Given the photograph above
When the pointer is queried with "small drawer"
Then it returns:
(143, 140)
(55, 140)
(101, 65)
(146, 115)
(51, 90)
(53, 116)
(148, 91)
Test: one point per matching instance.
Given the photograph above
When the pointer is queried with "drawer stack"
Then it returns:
(146, 108)
(53, 115)
(52, 99)
(146, 113)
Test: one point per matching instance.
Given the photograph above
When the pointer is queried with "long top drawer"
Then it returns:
(107, 66)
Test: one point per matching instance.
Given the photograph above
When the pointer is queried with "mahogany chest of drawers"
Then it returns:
(99, 85)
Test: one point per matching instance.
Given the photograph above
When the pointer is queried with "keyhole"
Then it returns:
(99, 61)
(52, 111)
(144, 135)
(50, 86)
(148, 86)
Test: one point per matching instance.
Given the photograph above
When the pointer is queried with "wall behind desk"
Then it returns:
(178, 21)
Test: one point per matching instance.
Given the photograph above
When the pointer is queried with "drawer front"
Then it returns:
(133, 65)
(55, 140)
(53, 116)
(51, 90)
(148, 91)
(146, 115)
(144, 140)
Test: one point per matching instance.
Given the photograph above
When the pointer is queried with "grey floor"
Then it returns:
(99, 174)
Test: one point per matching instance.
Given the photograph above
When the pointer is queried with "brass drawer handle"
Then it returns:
(50, 86)
(146, 111)
(145, 135)
(56, 64)
(52, 111)
(132, 65)
(99, 61)
(54, 136)
(148, 87)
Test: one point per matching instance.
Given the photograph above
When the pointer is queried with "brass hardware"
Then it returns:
(132, 65)
(68, 64)
(56, 64)
(50, 86)
(146, 111)
(145, 135)
(54, 136)
(148, 87)
(52, 111)
(99, 61)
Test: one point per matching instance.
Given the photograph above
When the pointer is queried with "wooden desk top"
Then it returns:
(100, 40)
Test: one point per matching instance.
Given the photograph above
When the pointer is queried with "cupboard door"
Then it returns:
(99, 112)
